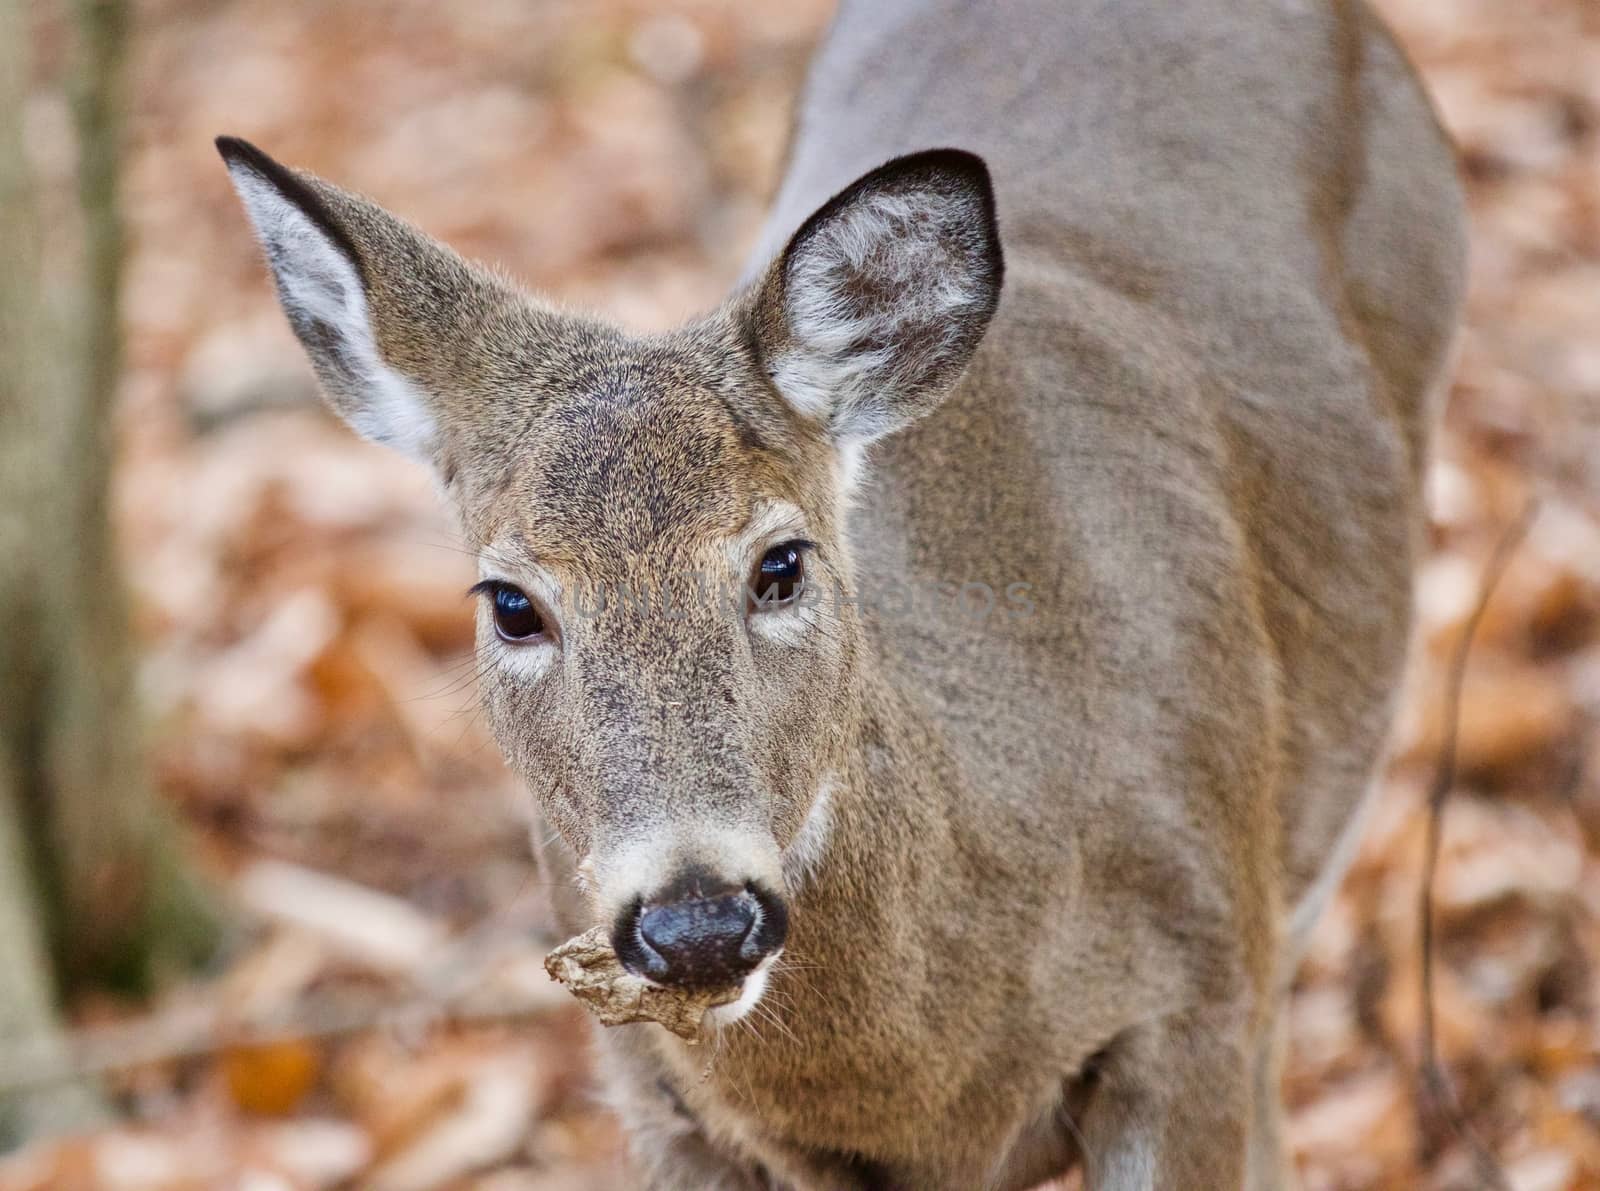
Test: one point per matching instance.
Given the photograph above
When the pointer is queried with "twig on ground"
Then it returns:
(490, 974)
(196, 1032)
(1439, 1094)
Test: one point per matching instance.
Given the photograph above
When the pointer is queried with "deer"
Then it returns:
(1139, 311)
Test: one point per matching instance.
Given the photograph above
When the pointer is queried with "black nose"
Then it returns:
(702, 941)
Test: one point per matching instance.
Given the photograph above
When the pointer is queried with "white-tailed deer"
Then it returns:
(1001, 892)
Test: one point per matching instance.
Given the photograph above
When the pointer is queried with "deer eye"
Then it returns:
(517, 618)
(779, 577)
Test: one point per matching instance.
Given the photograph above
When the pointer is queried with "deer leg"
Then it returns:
(1172, 1107)
(1271, 1168)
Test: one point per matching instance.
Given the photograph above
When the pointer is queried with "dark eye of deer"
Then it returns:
(780, 576)
(515, 617)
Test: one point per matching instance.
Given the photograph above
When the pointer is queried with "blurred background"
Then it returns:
(267, 919)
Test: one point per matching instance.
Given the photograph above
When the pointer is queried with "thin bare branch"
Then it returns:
(1438, 1093)
(198, 1031)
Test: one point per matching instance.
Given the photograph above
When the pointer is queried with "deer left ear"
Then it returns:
(389, 318)
(879, 301)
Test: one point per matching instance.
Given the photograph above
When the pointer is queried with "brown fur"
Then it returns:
(1073, 855)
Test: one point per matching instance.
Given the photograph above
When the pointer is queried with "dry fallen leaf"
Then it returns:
(486, 1124)
(271, 1079)
(590, 969)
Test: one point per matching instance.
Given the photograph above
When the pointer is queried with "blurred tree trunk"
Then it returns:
(89, 872)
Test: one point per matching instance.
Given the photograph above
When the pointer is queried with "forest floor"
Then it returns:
(299, 598)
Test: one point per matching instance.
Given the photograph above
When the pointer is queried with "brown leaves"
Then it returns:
(271, 1079)
(305, 640)
(1517, 927)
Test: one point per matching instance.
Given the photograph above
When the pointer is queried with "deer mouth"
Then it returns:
(753, 988)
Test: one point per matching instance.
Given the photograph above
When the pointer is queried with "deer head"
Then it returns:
(658, 520)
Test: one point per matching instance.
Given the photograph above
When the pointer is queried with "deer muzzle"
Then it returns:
(700, 934)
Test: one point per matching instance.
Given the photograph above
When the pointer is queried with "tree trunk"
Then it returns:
(86, 850)
(125, 907)
(27, 1005)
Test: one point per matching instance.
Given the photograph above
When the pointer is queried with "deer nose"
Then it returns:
(702, 941)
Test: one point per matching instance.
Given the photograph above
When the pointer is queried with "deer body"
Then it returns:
(1014, 891)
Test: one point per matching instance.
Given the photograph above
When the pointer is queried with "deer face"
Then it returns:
(664, 661)
(670, 651)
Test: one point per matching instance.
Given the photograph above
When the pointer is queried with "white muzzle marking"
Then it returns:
(755, 987)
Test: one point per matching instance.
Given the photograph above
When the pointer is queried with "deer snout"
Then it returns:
(692, 937)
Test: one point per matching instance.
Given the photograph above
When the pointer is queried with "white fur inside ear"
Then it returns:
(320, 288)
(874, 297)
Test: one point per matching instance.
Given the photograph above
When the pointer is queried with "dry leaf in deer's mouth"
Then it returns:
(589, 967)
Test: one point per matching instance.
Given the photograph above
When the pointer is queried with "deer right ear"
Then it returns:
(353, 281)
(873, 310)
